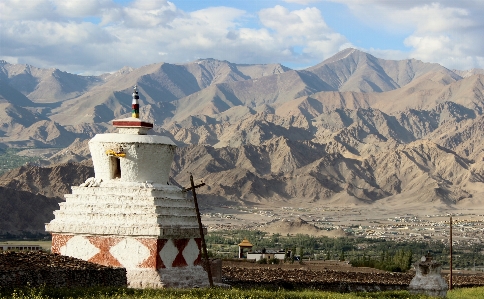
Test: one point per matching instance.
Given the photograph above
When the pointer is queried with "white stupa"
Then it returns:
(128, 215)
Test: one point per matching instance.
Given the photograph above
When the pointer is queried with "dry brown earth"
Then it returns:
(325, 275)
(40, 269)
(36, 260)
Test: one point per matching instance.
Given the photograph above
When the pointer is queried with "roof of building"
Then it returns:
(245, 243)
(267, 251)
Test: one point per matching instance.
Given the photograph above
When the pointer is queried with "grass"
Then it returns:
(218, 293)
(466, 293)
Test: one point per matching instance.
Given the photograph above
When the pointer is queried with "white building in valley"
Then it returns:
(267, 254)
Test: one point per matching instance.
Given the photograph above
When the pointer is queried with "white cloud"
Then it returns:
(44, 34)
(81, 8)
(10, 59)
(222, 18)
(148, 14)
(26, 10)
(304, 22)
(305, 27)
(446, 31)
(55, 33)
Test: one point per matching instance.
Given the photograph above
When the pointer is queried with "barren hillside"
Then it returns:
(353, 130)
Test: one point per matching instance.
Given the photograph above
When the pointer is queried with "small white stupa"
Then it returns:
(428, 279)
(128, 215)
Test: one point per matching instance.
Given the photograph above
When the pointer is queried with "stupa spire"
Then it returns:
(135, 103)
(133, 124)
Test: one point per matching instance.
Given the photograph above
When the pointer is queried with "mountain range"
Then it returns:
(351, 130)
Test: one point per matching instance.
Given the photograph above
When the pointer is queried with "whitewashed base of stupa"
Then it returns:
(149, 229)
(187, 277)
(430, 285)
(149, 263)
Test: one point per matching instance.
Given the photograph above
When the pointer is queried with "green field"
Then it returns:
(218, 293)
(10, 160)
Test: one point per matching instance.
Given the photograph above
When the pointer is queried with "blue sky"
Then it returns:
(96, 36)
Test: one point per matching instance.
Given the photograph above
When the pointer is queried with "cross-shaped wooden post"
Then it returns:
(200, 227)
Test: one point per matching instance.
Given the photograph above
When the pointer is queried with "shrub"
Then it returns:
(399, 261)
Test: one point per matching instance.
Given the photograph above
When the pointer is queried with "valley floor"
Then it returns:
(390, 222)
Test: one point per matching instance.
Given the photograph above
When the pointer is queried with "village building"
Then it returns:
(245, 244)
(258, 255)
(5, 247)
(267, 254)
(128, 215)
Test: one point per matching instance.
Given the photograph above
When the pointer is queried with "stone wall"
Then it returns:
(115, 277)
(35, 269)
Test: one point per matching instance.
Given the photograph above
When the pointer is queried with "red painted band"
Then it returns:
(120, 123)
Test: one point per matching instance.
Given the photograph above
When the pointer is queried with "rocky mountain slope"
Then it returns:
(24, 213)
(352, 130)
(53, 181)
(45, 85)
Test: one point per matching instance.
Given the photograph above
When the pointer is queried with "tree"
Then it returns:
(342, 256)
(301, 252)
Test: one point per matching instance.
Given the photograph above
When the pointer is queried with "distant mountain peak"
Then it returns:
(125, 70)
(211, 60)
(344, 54)
(468, 73)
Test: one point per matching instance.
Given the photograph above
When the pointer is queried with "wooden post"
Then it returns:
(450, 279)
(200, 227)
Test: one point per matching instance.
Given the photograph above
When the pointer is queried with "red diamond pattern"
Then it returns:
(154, 246)
(180, 260)
(58, 241)
(198, 261)
(104, 257)
(159, 245)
